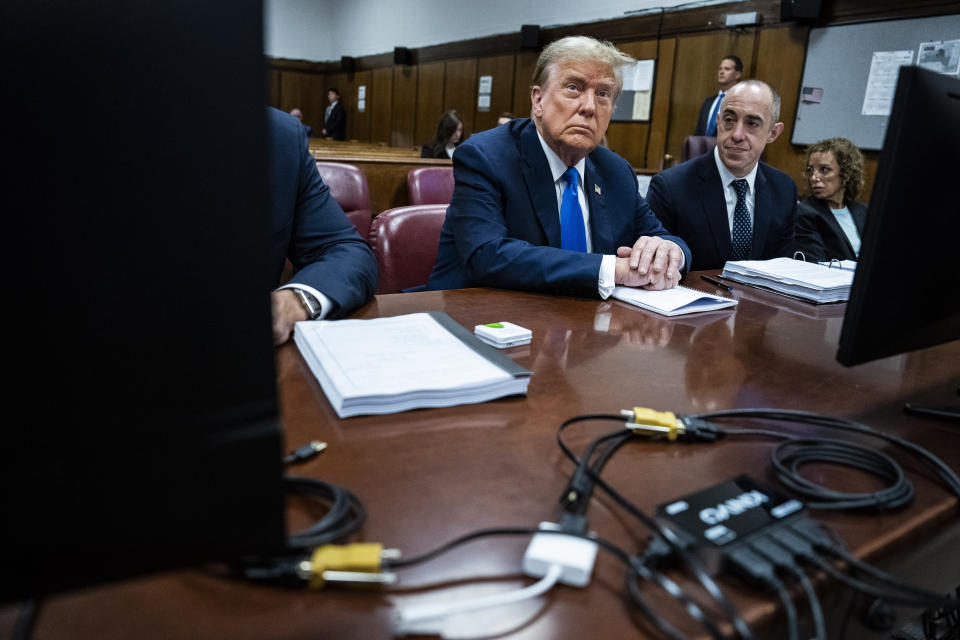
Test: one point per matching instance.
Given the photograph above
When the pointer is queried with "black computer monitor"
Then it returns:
(906, 291)
(141, 429)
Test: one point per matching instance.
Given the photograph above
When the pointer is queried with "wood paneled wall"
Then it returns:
(404, 103)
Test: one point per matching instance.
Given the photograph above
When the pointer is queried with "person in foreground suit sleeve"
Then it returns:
(503, 226)
(335, 269)
(699, 200)
(831, 220)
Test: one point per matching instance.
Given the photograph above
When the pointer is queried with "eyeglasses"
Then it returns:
(825, 172)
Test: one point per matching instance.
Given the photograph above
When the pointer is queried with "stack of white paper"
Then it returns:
(804, 280)
(405, 362)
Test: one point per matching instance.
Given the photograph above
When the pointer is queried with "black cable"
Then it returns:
(639, 569)
(403, 563)
(939, 468)
(689, 559)
(775, 554)
(345, 516)
(789, 456)
(584, 491)
(816, 611)
(788, 607)
(609, 547)
(662, 625)
(26, 619)
(882, 576)
(305, 452)
(871, 590)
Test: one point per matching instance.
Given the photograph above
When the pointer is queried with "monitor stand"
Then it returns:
(942, 403)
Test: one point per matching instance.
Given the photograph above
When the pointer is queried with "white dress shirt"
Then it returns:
(849, 227)
(730, 195)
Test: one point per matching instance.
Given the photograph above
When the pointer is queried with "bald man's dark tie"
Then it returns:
(741, 236)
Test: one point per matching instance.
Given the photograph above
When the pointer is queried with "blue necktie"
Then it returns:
(572, 234)
(741, 237)
(712, 122)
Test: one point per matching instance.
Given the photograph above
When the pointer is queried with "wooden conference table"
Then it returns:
(428, 476)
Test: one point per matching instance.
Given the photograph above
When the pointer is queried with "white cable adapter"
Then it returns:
(574, 555)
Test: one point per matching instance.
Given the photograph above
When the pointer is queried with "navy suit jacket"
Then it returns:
(819, 235)
(704, 118)
(503, 225)
(689, 200)
(309, 227)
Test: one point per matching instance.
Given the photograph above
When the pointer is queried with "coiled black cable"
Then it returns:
(787, 457)
(345, 516)
(895, 497)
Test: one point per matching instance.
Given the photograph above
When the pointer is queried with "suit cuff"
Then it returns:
(608, 276)
(325, 303)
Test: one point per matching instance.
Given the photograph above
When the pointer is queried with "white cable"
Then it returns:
(429, 618)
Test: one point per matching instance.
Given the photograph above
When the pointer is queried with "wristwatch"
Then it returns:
(309, 303)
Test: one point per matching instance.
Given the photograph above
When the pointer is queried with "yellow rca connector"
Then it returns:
(650, 422)
(359, 562)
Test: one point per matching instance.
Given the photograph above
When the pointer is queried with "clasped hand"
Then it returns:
(651, 263)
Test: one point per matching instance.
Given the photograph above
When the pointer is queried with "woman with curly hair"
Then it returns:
(831, 220)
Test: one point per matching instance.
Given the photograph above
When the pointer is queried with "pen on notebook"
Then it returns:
(717, 283)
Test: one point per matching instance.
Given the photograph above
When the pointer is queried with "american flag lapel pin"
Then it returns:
(596, 188)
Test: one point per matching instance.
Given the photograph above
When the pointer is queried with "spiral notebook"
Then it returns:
(673, 302)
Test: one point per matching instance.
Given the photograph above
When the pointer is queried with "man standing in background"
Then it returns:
(729, 74)
(335, 118)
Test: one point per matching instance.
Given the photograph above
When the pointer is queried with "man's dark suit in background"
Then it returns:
(309, 227)
(704, 116)
(689, 200)
(729, 74)
(819, 235)
(336, 123)
(502, 227)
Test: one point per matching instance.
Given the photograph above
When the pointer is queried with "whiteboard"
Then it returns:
(837, 72)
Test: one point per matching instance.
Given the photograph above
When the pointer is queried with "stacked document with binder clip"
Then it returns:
(804, 280)
(404, 362)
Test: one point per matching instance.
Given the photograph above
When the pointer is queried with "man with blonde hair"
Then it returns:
(538, 205)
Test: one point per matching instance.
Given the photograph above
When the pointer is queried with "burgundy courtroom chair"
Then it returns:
(430, 185)
(405, 241)
(348, 186)
(694, 146)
